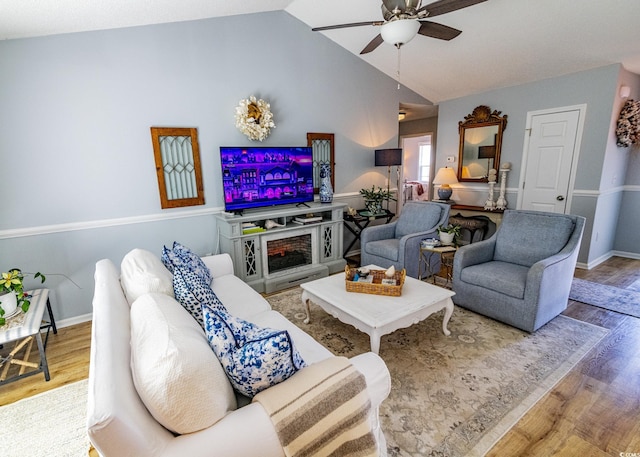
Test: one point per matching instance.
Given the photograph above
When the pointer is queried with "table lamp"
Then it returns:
(389, 158)
(444, 177)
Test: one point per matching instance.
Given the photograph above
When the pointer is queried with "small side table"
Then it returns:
(446, 254)
(471, 223)
(356, 224)
(24, 329)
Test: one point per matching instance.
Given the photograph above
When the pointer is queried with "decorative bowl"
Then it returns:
(430, 242)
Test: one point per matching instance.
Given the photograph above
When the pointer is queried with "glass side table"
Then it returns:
(446, 254)
(360, 221)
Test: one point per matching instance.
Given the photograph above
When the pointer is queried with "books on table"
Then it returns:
(307, 220)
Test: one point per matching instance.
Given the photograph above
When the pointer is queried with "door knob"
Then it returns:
(559, 198)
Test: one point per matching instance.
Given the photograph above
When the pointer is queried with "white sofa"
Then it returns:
(120, 425)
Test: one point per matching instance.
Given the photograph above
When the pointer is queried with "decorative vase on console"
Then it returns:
(490, 205)
(373, 206)
(326, 191)
(501, 203)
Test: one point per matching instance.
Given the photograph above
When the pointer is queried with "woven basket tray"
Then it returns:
(376, 288)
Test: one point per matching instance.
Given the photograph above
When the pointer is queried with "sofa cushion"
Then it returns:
(239, 300)
(253, 357)
(177, 376)
(142, 272)
(308, 348)
(505, 278)
(182, 256)
(525, 238)
(192, 290)
(417, 217)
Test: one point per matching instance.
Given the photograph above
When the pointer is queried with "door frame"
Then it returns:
(582, 110)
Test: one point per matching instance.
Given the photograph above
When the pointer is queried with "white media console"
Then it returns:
(288, 254)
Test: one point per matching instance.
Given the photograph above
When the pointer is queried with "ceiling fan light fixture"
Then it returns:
(399, 32)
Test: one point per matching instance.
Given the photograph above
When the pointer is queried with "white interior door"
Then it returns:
(551, 149)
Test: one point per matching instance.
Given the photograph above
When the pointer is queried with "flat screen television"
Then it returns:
(253, 177)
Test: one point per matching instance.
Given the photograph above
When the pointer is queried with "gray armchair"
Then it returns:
(398, 243)
(521, 275)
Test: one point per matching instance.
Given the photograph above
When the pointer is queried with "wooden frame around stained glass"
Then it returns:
(323, 152)
(177, 157)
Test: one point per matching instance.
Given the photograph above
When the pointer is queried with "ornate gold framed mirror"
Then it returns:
(480, 144)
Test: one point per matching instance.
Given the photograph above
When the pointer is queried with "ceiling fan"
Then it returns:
(403, 19)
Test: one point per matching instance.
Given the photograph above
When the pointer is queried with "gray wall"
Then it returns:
(79, 180)
(627, 234)
(601, 193)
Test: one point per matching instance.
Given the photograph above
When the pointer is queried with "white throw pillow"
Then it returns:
(176, 374)
(143, 272)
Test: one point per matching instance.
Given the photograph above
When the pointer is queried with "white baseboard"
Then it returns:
(353, 252)
(605, 257)
(628, 255)
(74, 320)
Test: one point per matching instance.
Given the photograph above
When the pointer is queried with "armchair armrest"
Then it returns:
(546, 275)
(378, 232)
(414, 239)
(472, 254)
(475, 253)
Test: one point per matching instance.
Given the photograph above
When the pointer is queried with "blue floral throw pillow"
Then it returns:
(192, 291)
(253, 357)
(182, 256)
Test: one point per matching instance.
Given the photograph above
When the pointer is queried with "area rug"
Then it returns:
(51, 423)
(607, 297)
(458, 395)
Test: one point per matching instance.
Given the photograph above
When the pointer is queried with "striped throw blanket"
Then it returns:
(322, 410)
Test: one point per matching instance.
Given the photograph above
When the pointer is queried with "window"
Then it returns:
(424, 165)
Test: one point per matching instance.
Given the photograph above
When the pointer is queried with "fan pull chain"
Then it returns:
(398, 69)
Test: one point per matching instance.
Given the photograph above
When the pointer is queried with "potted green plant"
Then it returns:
(373, 198)
(12, 294)
(448, 233)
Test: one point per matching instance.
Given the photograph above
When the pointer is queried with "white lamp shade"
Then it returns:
(399, 32)
(445, 176)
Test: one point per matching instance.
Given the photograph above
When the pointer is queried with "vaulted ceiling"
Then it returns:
(503, 42)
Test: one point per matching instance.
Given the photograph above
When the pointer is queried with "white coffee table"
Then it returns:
(378, 315)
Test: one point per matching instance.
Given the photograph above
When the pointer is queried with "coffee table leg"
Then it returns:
(305, 302)
(448, 312)
(374, 338)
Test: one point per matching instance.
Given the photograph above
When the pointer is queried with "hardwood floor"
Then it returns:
(68, 360)
(593, 411)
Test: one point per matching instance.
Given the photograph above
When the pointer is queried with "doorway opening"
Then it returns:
(417, 167)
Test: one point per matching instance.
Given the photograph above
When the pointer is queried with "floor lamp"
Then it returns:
(389, 158)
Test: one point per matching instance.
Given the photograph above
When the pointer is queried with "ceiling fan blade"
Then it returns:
(373, 44)
(344, 26)
(447, 6)
(439, 31)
